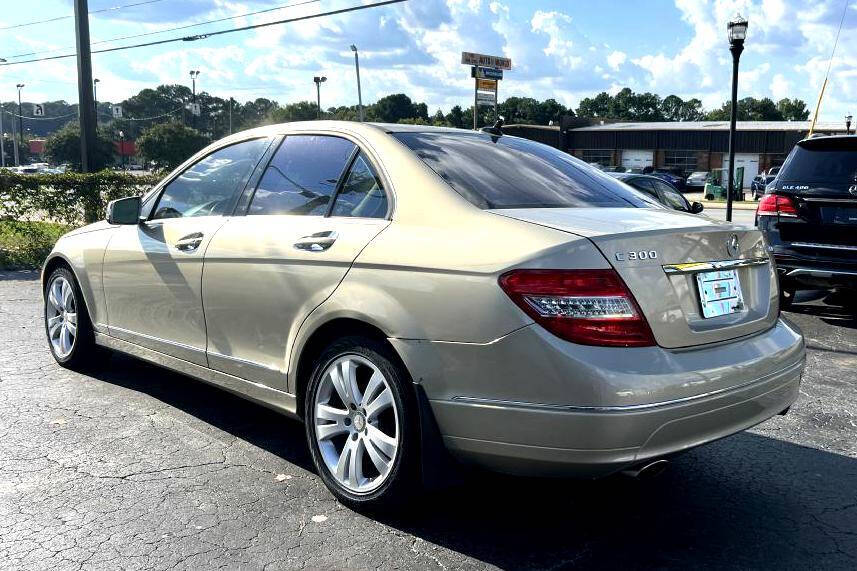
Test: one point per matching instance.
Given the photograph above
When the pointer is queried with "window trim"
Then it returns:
(360, 148)
(195, 160)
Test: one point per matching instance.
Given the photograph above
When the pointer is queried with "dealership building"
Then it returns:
(685, 145)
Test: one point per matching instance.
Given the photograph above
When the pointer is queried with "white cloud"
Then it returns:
(616, 59)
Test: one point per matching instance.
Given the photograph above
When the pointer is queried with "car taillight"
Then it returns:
(776, 205)
(590, 307)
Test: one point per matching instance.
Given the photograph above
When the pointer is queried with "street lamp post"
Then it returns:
(737, 29)
(318, 81)
(20, 115)
(194, 73)
(359, 94)
(95, 97)
(848, 124)
(122, 149)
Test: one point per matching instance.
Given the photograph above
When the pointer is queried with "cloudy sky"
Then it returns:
(566, 49)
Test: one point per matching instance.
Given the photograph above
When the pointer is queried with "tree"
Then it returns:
(455, 117)
(793, 109)
(393, 108)
(170, 144)
(750, 109)
(301, 111)
(64, 147)
(599, 106)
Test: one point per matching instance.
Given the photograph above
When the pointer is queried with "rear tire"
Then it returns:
(363, 435)
(70, 334)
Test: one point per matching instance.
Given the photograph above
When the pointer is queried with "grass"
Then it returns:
(25, 245)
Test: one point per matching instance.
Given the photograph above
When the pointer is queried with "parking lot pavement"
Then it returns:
(135, 467)
(744, 217)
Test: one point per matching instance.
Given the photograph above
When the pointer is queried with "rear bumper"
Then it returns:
(532, 404)
(794, 270)
(526, 440)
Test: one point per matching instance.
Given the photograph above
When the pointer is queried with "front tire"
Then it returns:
(69, 331)
(361, 424)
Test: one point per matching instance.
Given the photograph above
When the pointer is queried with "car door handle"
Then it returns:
(189, 243)
(318, 242)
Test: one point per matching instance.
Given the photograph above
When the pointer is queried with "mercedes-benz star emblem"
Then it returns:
(853, 189)
(732, 246)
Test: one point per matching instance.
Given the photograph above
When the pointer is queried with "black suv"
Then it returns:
(809, 216)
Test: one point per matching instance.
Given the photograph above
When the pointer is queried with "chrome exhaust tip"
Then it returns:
(647, 471)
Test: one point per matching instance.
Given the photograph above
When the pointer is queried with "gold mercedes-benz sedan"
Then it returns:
(417, 293)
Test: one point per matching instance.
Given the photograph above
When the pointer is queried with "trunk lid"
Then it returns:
(640, 242)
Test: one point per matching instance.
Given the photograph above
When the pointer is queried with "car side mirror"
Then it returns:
(696, 207)
(124, 210)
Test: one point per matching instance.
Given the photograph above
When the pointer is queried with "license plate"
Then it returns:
(719, 293)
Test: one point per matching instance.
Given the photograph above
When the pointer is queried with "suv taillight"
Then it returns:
(776, 205)
(590, 307)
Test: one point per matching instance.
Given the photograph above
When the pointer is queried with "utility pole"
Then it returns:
(20, 115)
(84, 85)
(359, 94)
(95, 97)
(231, 103)
(2, 140)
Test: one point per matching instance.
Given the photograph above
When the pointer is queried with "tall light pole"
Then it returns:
(194, 73)
(318, 81)
(95, 97)
(737, 30)
(359, 94)
(20, 86)
(848, 124)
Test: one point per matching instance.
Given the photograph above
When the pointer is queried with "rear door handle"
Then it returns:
(189, 243)
(318, 242)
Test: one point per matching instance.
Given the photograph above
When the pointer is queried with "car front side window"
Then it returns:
(208, 187)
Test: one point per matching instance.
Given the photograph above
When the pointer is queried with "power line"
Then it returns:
(28, 118)
(144, 34)
(216, 33)
(58, 18)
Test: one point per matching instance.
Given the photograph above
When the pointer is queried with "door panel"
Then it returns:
(263, 275)
(152, 284)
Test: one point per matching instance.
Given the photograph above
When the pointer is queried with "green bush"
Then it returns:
(25, 245)
(71, 199)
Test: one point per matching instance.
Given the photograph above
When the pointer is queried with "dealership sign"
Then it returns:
(482, 60)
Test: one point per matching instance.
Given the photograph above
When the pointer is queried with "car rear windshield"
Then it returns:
(508, 172)
(819, 161)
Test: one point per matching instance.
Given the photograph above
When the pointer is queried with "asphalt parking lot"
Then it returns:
(134, 467)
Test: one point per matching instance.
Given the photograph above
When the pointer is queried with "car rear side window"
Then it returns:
(302, 176)
(508, 172)
(820, 161)
(361, 194)
(208, 187)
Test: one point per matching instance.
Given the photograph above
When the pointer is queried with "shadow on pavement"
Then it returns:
(746, 501)
(243, 419)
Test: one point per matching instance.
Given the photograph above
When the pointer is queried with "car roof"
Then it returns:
(830, 142)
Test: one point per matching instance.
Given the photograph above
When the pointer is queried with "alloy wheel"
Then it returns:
(356, 423)
(61, 316)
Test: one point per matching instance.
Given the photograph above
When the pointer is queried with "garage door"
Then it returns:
(750, 162)
(637, 159)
